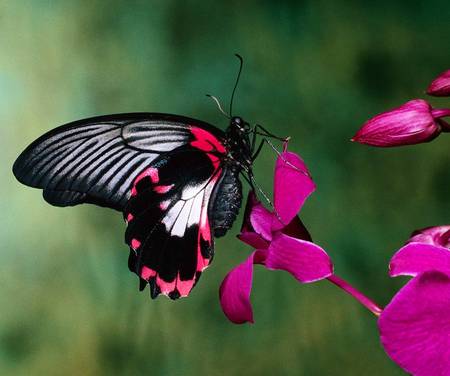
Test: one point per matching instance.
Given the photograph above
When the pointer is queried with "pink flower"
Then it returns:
(415, 325)
(440, 87)
(280, 240)
(412, 123)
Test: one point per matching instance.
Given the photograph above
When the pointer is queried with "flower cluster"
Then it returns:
(415, 325)
(412, 123)
(280, 240)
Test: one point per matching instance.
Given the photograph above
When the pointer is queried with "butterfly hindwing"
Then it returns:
(96, 160)
(169, 231)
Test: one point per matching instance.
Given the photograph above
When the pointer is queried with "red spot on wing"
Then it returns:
(135, 244)
(150, 172)
(204, 232)
(164, 205)
(162, 188)
(147, 273)
(214, 159)
(208, 143)
(165, 287)
(184, 287)
(129, 217)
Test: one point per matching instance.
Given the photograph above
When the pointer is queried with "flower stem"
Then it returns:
(359, 296)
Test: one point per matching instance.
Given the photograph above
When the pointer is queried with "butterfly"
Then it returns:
(175, 179)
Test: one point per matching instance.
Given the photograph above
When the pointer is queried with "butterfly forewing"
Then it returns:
(96, 160)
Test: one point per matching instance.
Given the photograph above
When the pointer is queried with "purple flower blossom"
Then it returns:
(280, 240)
(412, 123)
(440, 87)
(415, 325)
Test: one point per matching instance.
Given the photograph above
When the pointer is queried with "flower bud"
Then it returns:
(440, 87)
(411, 123)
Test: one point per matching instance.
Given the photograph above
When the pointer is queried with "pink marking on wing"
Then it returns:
(184, 287)
(151, 172)
(214, 159)
(147, 273)
(129, 217)
(135, 244)
(163, 205)
(204, 227)
(162, 188)
(206, 141)
(202, 263)
(166, 287)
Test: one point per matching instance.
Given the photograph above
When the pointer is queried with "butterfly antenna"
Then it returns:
(241, 63)
(218, 105)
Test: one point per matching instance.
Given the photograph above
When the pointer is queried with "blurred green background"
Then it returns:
(314, 70)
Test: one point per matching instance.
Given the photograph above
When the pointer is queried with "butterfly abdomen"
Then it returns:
(227, 201)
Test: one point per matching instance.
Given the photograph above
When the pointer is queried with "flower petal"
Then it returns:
(306, 261)
(248, 234)
(415, 258)
(253, 239)
(261, 220)
(411, 123)
(437, 235)
(235, 290)
(415, 327)
(297, 230)
(440, 87)
(292, 186)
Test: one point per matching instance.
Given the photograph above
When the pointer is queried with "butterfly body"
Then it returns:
(176, 180)
(227, 200)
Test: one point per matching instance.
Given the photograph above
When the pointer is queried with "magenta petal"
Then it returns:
(415, 258)
(437, 235)
(408, 124)
(248, 234)
(261, 220)
(415, 326)
(292, 186)
(235, 290)
(297, 229)
(440, 87)
(306, 261)
(253, 239)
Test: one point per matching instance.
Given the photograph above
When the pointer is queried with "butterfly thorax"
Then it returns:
(238, 144)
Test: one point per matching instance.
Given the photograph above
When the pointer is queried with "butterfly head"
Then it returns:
(239, 125)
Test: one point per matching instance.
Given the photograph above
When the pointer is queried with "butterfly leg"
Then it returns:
(266, 133)
(255, 187)
(255, 155)
(265, 140)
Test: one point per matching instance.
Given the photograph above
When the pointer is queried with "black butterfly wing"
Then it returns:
(160, 170)
(96, 160)
(169, 231)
